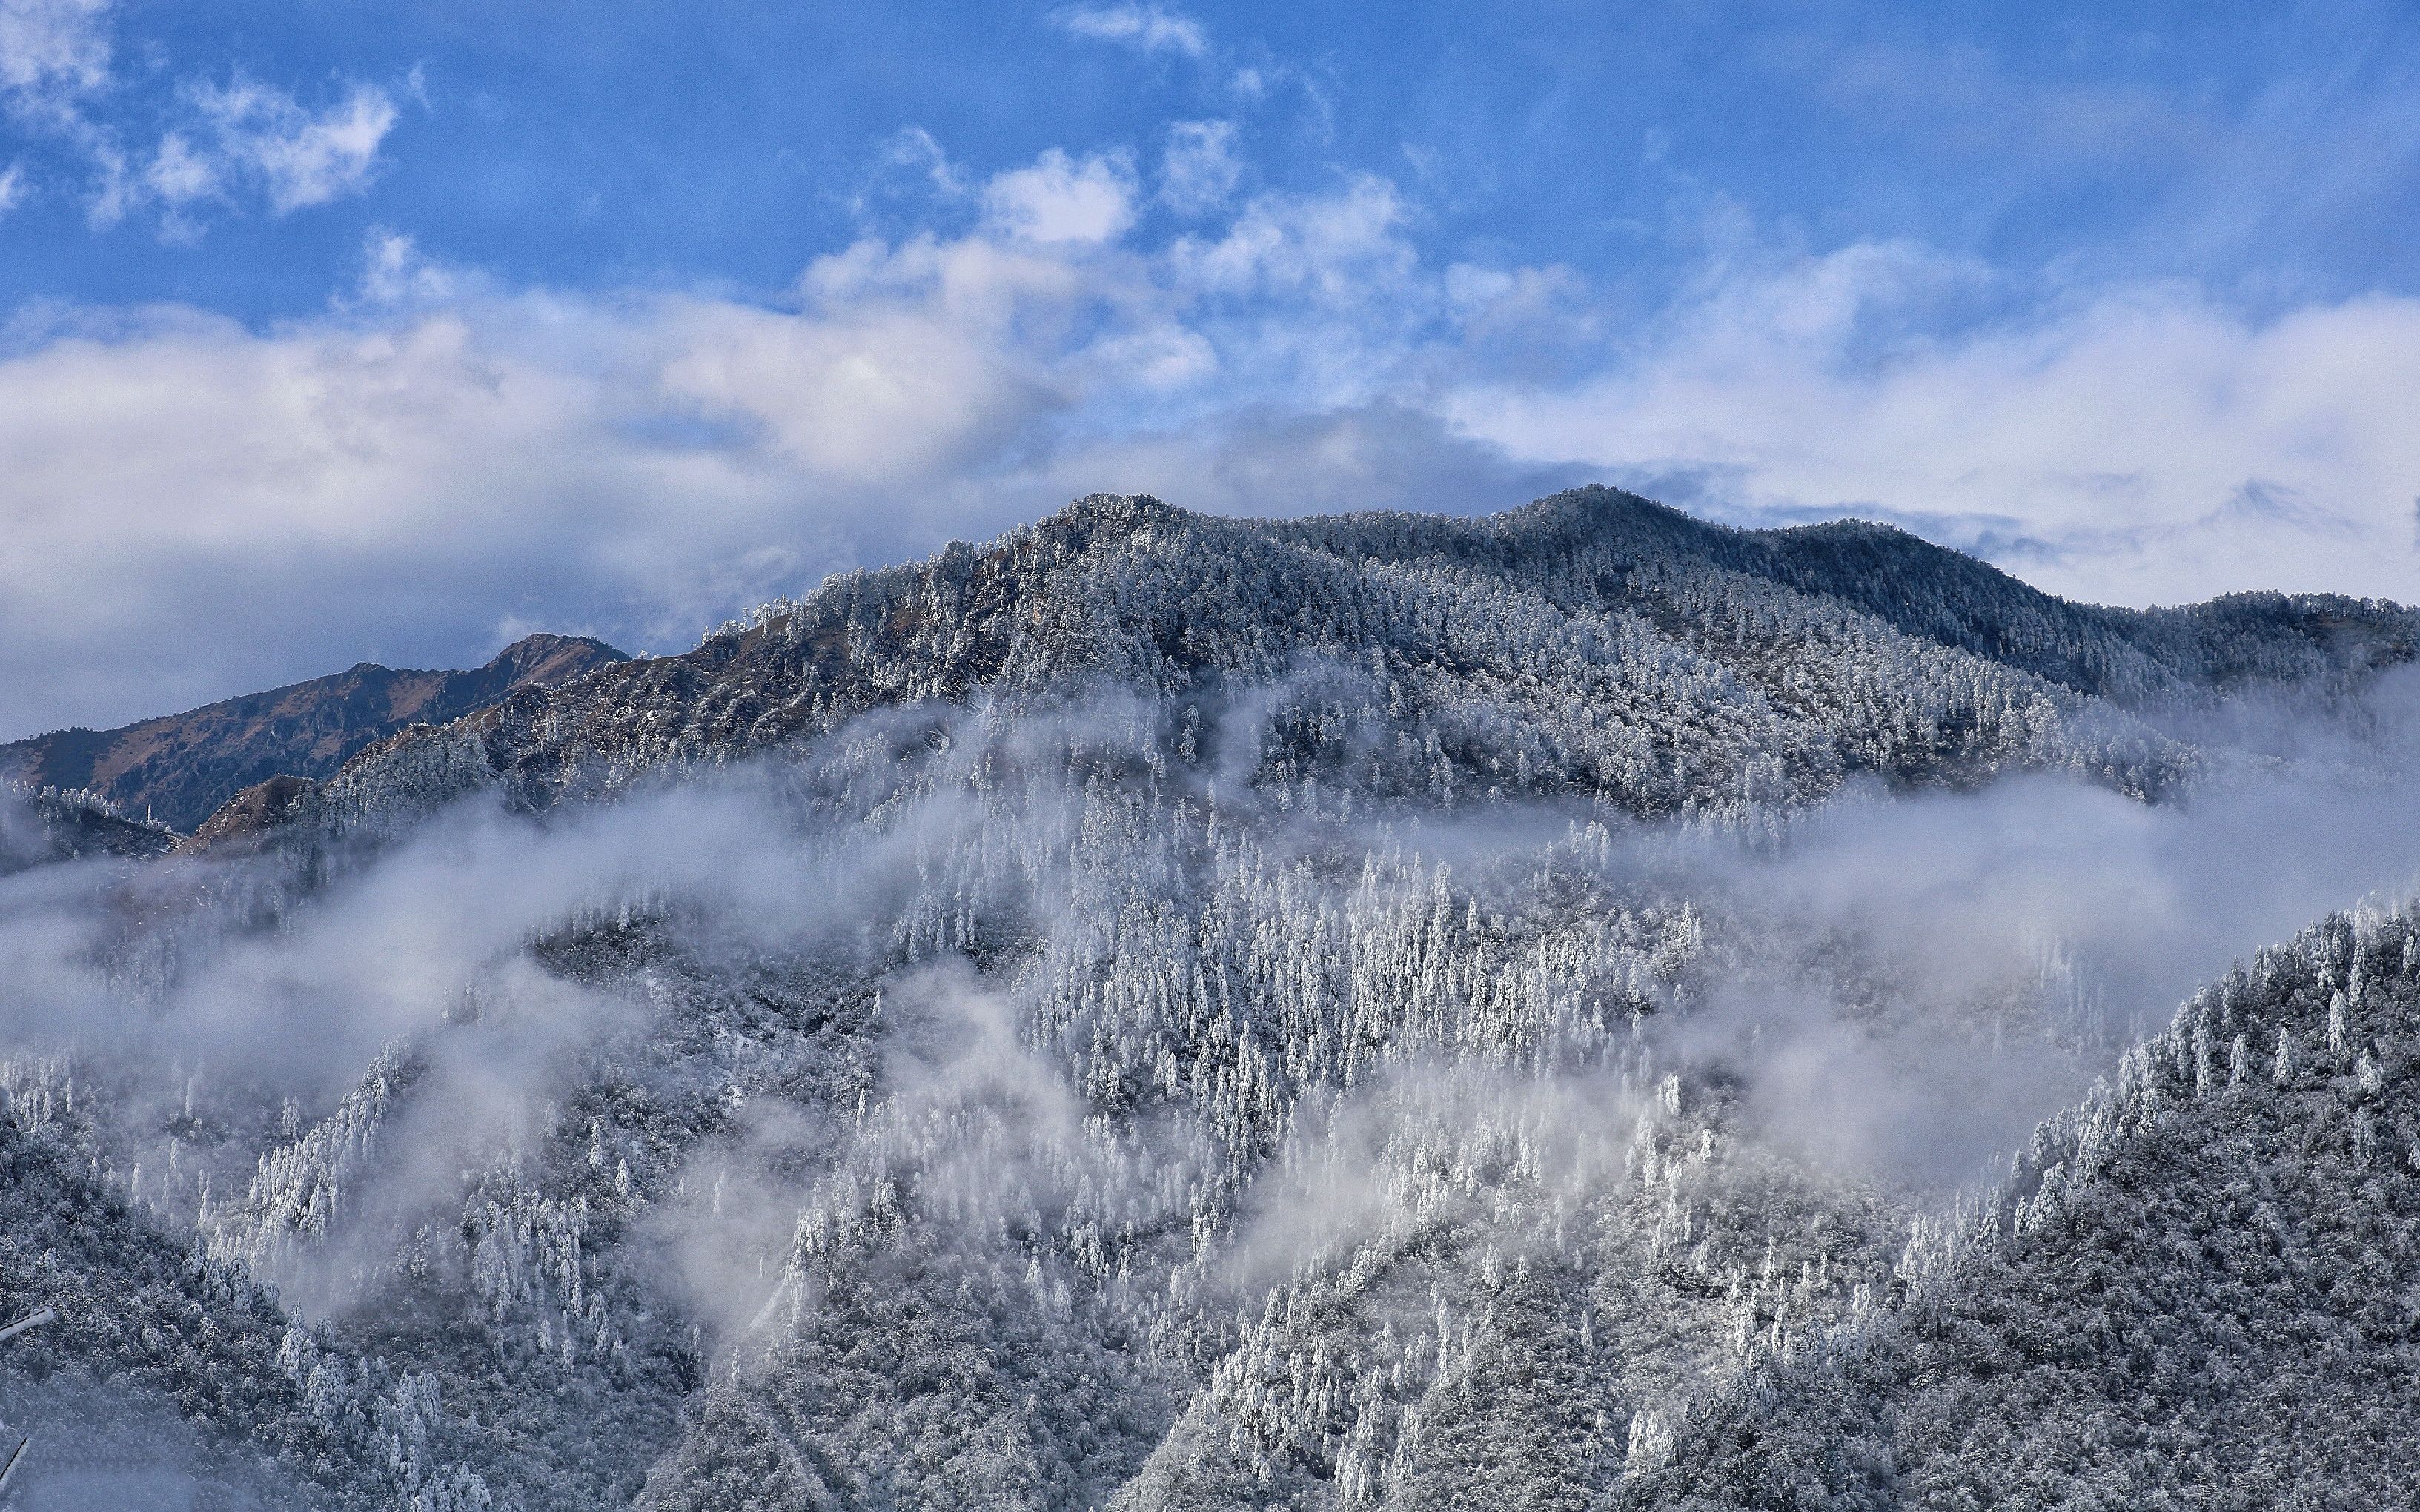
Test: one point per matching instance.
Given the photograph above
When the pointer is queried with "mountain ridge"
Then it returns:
(179, 768)
(1121, 587)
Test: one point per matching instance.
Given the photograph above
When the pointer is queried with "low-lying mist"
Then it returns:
(1030, 977)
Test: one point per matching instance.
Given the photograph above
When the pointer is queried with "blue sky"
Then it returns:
(2264, 151)
(332, 332)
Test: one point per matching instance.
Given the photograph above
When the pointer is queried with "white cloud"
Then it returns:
(1198, 171)
(195, 509)
(1150, 28)
(179, 174)
(395, 272)
(1340, 248)
(12, 187)
(191, 503)
(52, 51)
(1157, 358)
(1064, 199)
(210, 144)
(2143, 445)
(912, 147)
(300, 159)
(891, 391)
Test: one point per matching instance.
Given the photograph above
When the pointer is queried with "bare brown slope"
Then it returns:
(181, 766)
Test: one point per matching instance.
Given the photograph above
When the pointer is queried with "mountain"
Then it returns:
(1595, 643)
(1578, 1008)
(179, 767)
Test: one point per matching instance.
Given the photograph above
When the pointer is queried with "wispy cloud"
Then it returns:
(1150, 28)
(1971, 96)
(395, 272)
(242, 142)
(53, 52)
(1200, 168)
(301, 158)
(246, 142)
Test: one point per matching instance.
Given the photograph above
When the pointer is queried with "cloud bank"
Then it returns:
(439, 462)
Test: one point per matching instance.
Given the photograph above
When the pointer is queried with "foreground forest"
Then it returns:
(1579, 1009)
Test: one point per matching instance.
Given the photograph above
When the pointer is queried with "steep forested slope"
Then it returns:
(157, 1355)
(2201, 1288)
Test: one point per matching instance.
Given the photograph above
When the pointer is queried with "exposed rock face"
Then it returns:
(179, 767)
(257, 809)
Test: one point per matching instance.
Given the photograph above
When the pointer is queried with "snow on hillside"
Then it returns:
(1570, 1009)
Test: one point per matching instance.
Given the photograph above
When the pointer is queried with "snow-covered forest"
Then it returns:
(1578, 1009)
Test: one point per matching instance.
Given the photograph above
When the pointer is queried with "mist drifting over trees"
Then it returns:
(1576, 1009)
